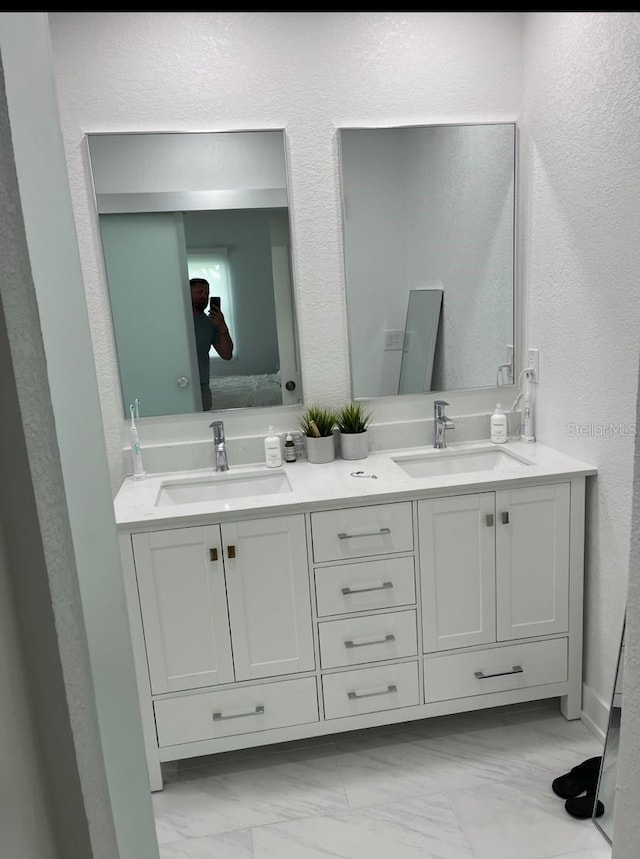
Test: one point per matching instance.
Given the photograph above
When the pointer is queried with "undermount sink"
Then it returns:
(439, 463)
(221, 487)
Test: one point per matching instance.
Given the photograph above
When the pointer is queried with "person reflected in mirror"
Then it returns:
(210, 330)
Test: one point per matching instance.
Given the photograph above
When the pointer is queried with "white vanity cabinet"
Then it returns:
(213, 607)
(364, 575)
(224, 603)
(494, 568)
(383, 607)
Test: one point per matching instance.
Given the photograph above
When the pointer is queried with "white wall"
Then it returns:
(581, 105)
(308, 73)
(580, 117)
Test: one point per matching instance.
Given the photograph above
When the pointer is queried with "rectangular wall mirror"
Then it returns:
(429, 230)
(212, 205)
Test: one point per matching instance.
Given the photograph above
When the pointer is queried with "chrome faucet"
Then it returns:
(219, 446)
(441, 424)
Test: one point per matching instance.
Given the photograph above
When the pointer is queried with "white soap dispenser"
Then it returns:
(272, 450)
(498, 426)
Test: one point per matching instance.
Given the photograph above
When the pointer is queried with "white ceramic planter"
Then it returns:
(321, 449)
(354, 445)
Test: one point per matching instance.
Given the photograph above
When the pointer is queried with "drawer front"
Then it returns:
(365, 586)
(368, 639)
(190, 718)
(500, 669)
(357, 532)
(369, 690)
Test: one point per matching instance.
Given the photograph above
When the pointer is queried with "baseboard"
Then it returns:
(595, 712)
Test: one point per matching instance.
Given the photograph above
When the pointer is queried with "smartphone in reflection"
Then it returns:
(214, 301)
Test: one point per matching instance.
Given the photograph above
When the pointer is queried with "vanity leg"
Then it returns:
(155, 775)
(571, 706)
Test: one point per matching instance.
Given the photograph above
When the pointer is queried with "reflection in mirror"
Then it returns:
(174, 206)
(429, 208)
(419, 345)
(606, 790)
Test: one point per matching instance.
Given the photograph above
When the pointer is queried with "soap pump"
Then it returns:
(272, 450)
(498, 426)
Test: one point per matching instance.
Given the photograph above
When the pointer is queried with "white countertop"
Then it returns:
(332, 484)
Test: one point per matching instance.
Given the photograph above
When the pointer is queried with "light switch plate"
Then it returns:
(393, 340)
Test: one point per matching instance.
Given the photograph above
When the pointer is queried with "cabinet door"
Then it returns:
(184, 608)
(457, 570)
(268, 593)
(532, 561)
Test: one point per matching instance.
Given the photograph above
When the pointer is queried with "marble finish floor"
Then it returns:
(467, 786)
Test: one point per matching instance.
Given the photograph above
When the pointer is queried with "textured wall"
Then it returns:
(305, 72)
(581, 108)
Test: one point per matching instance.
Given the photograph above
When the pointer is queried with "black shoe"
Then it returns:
(582, 807)
(580, 778)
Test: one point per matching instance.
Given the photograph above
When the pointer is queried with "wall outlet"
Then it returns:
(393, 340)
(533, 360)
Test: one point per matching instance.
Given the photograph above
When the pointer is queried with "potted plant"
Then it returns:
(317, 424)
(352, 421)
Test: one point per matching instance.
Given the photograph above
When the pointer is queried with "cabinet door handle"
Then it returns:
(343, 536)
(213, 554)
(388, 690)
(231, 551)
(387, 638)
(489, 520)
(259, 711)
(505, 518)
(383, 587)
(480, 675)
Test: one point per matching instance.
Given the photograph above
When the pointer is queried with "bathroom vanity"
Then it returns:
(268, 605)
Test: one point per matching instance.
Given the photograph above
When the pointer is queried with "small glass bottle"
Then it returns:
(289, 448)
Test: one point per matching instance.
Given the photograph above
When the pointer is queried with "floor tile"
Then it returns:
(523, 818)
(467, 786)
(392, 768)
(250, 795)
(229, 845)
(419, 828)
(595, 853)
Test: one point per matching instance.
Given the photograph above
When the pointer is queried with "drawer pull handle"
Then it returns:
(385, 586)
(505, 518)
(218, 717)
(343, 536)
(480, 675)
(213, 554)
(353, 696)
(231, 551)
(387, 638)
(489, 520)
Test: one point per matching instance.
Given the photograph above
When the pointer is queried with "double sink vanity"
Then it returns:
(269, 605)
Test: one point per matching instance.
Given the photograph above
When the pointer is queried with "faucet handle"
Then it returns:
(438, 408)
(218, 431)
